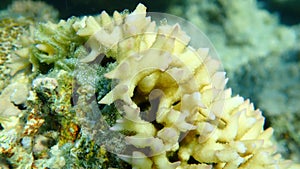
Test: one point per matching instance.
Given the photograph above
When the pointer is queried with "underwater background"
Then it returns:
(258, 43)
(286, 10)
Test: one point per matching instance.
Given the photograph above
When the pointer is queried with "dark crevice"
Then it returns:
(176, 103)
(192, 161)
(102, 60)
(20, 106)
(173, 156)
(45, 68)
(158, 126)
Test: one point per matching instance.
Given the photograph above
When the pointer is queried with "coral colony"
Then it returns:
(120, 91)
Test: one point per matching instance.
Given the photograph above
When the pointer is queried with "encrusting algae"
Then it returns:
(126, 92)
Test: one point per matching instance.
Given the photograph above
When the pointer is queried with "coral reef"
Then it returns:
(123, 91)
(38, 128)
(260, 56)
(31, 10)
(15, 88)
(11, 31)
(55, 46)
(282, 103)
(16, 24)
(229, 137)
(241, 37)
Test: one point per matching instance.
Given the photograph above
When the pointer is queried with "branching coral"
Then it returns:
(258, 52)
(44, 45)
(276, 99)
(173, 98)
(55, 44)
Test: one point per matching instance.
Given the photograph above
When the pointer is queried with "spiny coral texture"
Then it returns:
(254, 62)
(188, 112)
(283, 98)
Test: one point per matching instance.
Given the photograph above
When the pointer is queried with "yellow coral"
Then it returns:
(189, 112)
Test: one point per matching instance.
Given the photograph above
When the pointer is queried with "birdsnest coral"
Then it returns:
(172, 98)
